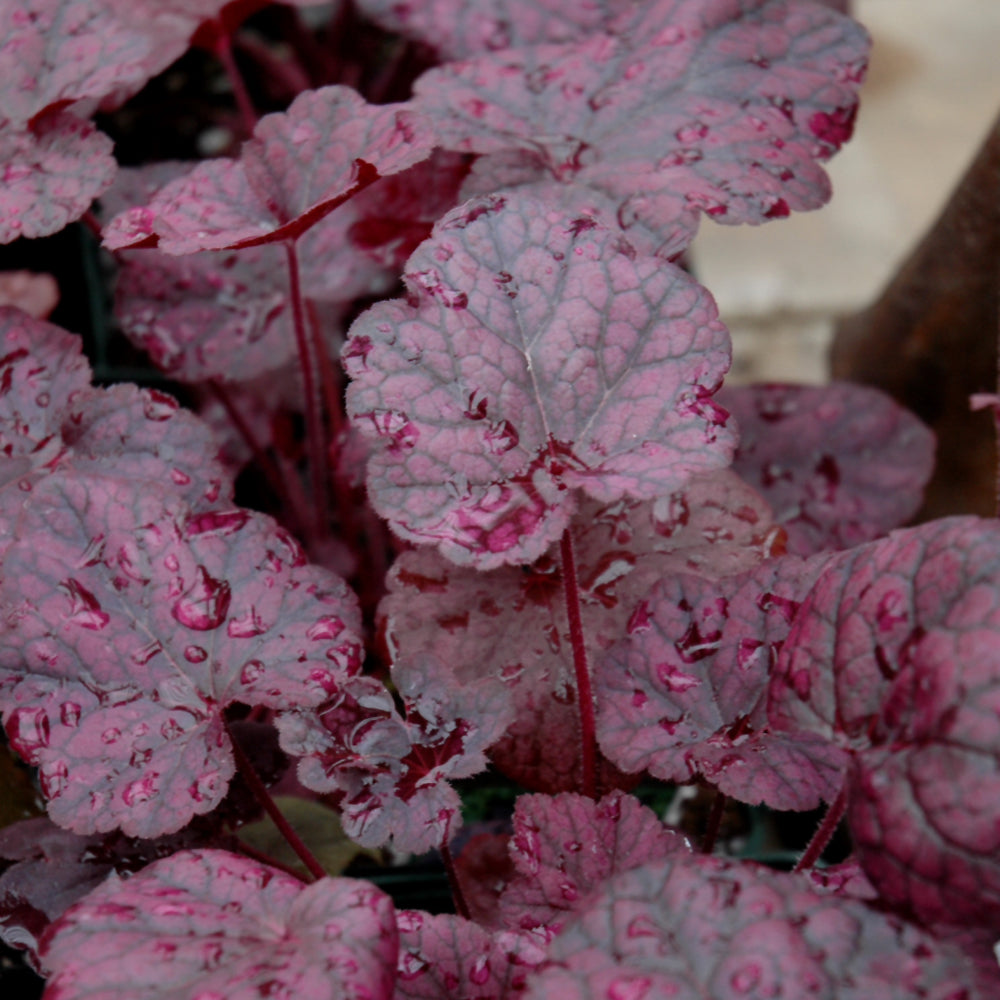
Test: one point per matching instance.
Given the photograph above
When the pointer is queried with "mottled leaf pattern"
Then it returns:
(533, 360)
(683, 107)
(509, 625)
(214, 924)
(693, 928)
(298, 167)
(445, 956)
(685, 694)
(895, 657)
(566, 846)
(130, 625)
(841, 464)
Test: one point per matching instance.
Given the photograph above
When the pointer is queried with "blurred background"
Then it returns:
(932, 93)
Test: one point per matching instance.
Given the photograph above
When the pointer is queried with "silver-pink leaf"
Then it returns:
(537, 358)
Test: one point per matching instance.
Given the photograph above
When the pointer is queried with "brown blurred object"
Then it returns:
(36, 294)
(930, 339)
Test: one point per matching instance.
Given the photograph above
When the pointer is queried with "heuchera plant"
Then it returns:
(601, 568)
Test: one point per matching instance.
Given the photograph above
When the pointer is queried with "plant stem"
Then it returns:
(461, 907)
(263, 796)
(714, 822)
(264, 461)
(584, 693)
(315, 448)
(824, 833)
(224, 53)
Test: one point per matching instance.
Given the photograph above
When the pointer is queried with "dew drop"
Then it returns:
(112, 735)
(325, 628)
(642, 926)
(144, 654)
(43, 399)
(411, 965)
(573, 846)
(139, 758)
(746, 979)
(172, 563)
(171, 729)
(206, 788)
(84, 610)
(246, 627)
(158, 405)
(53, 777)
(480, 971)
(629, 989)
(569, 892)
(204, 605)
(138, 792)
(195, 654)
(252, 672)
(219, 522)
(69, 714)
(410, 921)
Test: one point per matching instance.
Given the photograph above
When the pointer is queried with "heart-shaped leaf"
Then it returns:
(537, 357)
(214, 924)
(130, 625)
(841, 464)
(298, 167)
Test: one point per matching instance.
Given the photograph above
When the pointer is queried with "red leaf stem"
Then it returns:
(824, 833)
(223, 50)
(585, 697)
(276, 479)
(263, 796)
(458, 897)
(318, 470)
(714, 822)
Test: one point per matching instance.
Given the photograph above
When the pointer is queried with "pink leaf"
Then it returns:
(51, 419)
(565, 847)
(224, 314)
(130, 625)
(391, 774)
(702, 927)
(34, 293)
(445, 956)
(299, 166)
(686, 693)
(680, 108)
(456, 29)
(213, 924)
(841, 464)
(894, 657)
(51, 174)
(534, 358)
(56, 52)
(509, 625)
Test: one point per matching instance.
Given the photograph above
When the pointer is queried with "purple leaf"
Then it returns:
(56, 52)
(565, 847)
(213, 924)
(51, 419)
(130, 625)
(224, 314)
(701, 928)
(445, 956)
(456, 29)
(509, 625)
(682, 107)
(534, 358)
(686, 693)
(52, 172)
(842, 464)
(299, 166)
(894, 657)
(391, 773)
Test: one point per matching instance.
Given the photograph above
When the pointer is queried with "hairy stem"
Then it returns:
(824, 833)
(263, 796)
(315, 444)
(458, 897)
(584, 692)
